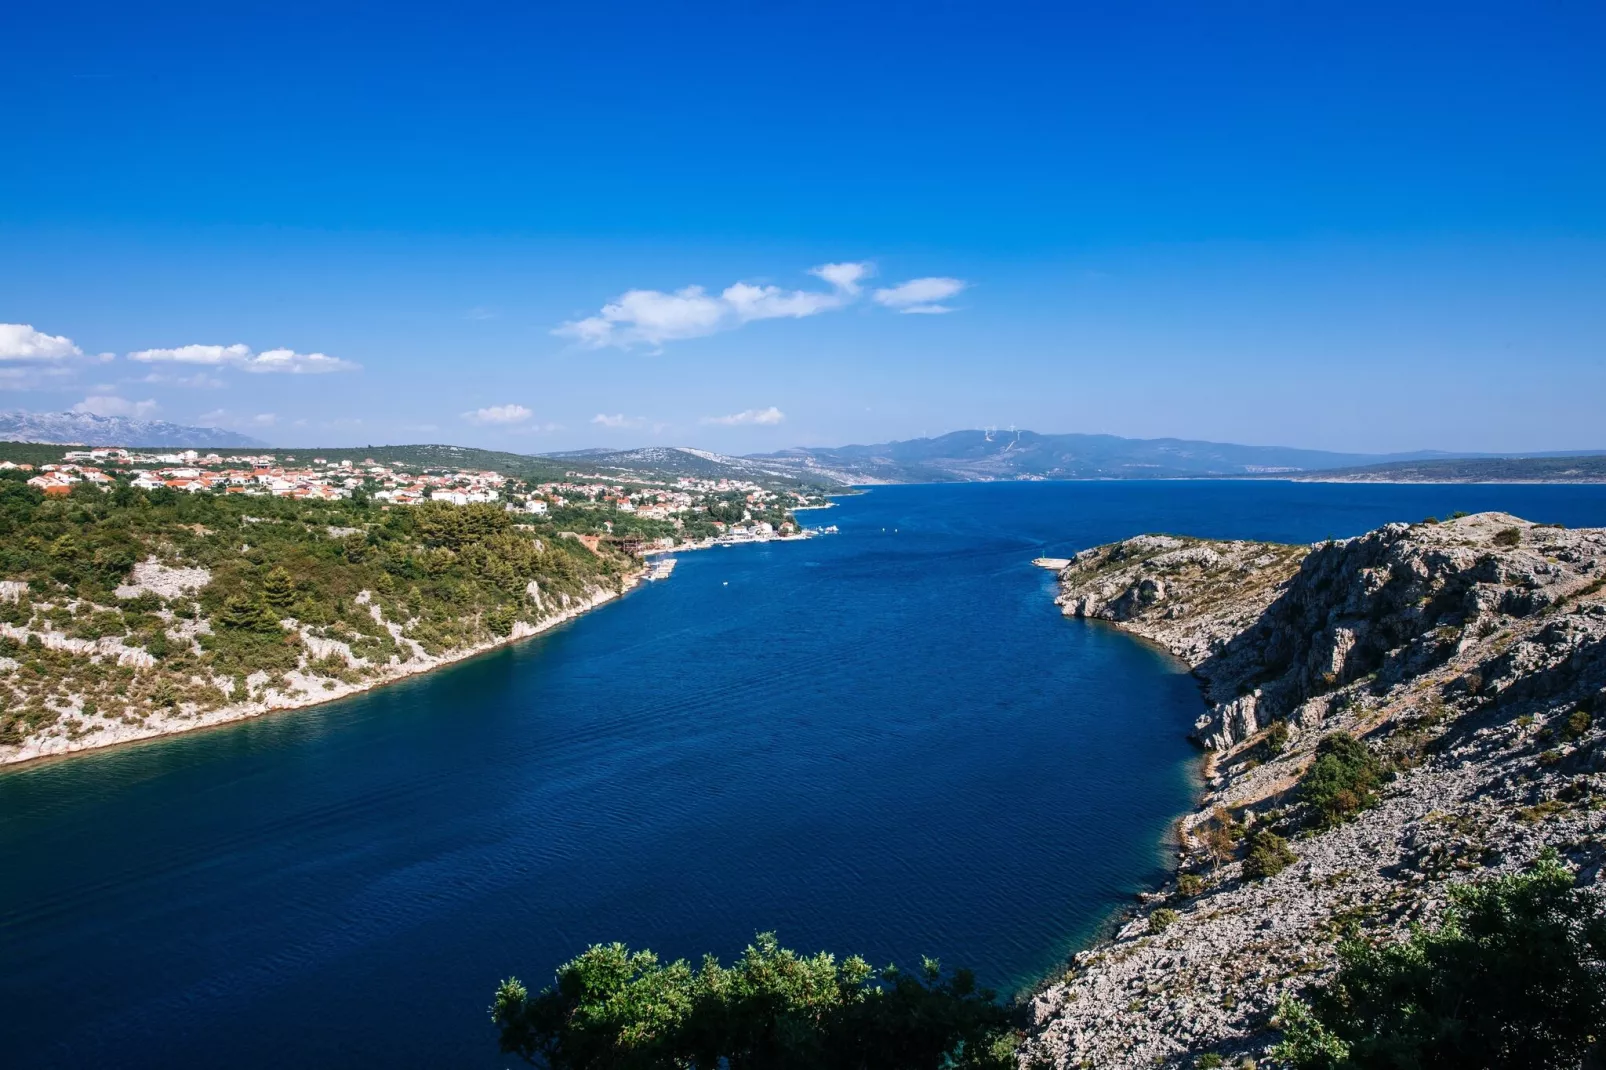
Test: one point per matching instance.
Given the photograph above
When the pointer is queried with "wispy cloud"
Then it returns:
(760, 417)
(845, 276)
(653, 317)
(481, 312)
(200, 380)
(225, 418)
(619, 420)
(109, 405)
(923, 296)
(281, 361)
(502, 415)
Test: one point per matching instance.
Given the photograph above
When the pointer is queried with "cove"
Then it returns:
(884, 741)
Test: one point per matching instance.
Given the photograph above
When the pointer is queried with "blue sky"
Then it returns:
(1337, 226)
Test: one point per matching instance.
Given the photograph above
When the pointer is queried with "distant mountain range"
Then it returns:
(87, 429)
(965, 456)
(962, 456)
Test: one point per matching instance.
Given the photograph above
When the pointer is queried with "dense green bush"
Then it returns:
(1342, 780)
(772, 1010)
(1514, 978)
(1162, 919)
(1268, 855)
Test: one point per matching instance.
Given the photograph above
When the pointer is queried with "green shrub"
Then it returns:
(612, 1008)
(1508, 537)
(1341, 781)
(1513, 978)
(1190, 884)
(1277, 738)
(1268, 855)
(1162, 919)
(1578, 723)
(1208, 1061)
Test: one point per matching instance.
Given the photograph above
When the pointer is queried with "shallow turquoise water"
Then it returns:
(884, 741)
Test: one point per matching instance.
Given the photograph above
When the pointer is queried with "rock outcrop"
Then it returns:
(1469, 657)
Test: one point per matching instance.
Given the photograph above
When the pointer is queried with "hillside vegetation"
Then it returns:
(129, 613)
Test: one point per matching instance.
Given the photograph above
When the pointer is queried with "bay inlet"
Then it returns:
(886, 742)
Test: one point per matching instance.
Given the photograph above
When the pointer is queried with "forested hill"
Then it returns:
(127, 613)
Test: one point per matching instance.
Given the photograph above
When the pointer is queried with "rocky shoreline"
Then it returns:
(1470, 659)
(99, 731)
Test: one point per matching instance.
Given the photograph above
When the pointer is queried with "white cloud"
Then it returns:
(291, 362)
(844, 276)
(263, 419)
(20, 342)
(618, 419)
(768, 416)
(209, 355)
(286, 361)
(108, 405)
(921, 295)
(653, 317)
(499, 414)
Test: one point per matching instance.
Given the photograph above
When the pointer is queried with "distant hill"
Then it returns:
(1542, 469)
(686, 461)
(87, 429)
(986, 455)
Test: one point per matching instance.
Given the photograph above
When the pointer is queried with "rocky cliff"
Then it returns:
(1470, 659)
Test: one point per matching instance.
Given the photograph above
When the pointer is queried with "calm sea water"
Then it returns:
(886, 741)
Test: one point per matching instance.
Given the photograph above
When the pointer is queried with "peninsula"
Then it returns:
(144, 593)
(1388, 715)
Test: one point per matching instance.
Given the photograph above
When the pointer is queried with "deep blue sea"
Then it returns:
(885, 741)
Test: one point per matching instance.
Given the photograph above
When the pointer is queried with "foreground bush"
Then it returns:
(1515, 977)
(772, 1010)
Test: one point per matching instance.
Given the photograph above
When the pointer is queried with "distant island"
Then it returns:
(966, 456)
(1563, 469)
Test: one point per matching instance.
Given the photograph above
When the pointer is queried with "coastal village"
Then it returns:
(695, 510)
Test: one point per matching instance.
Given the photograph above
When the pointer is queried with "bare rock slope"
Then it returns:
(1469, 657)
